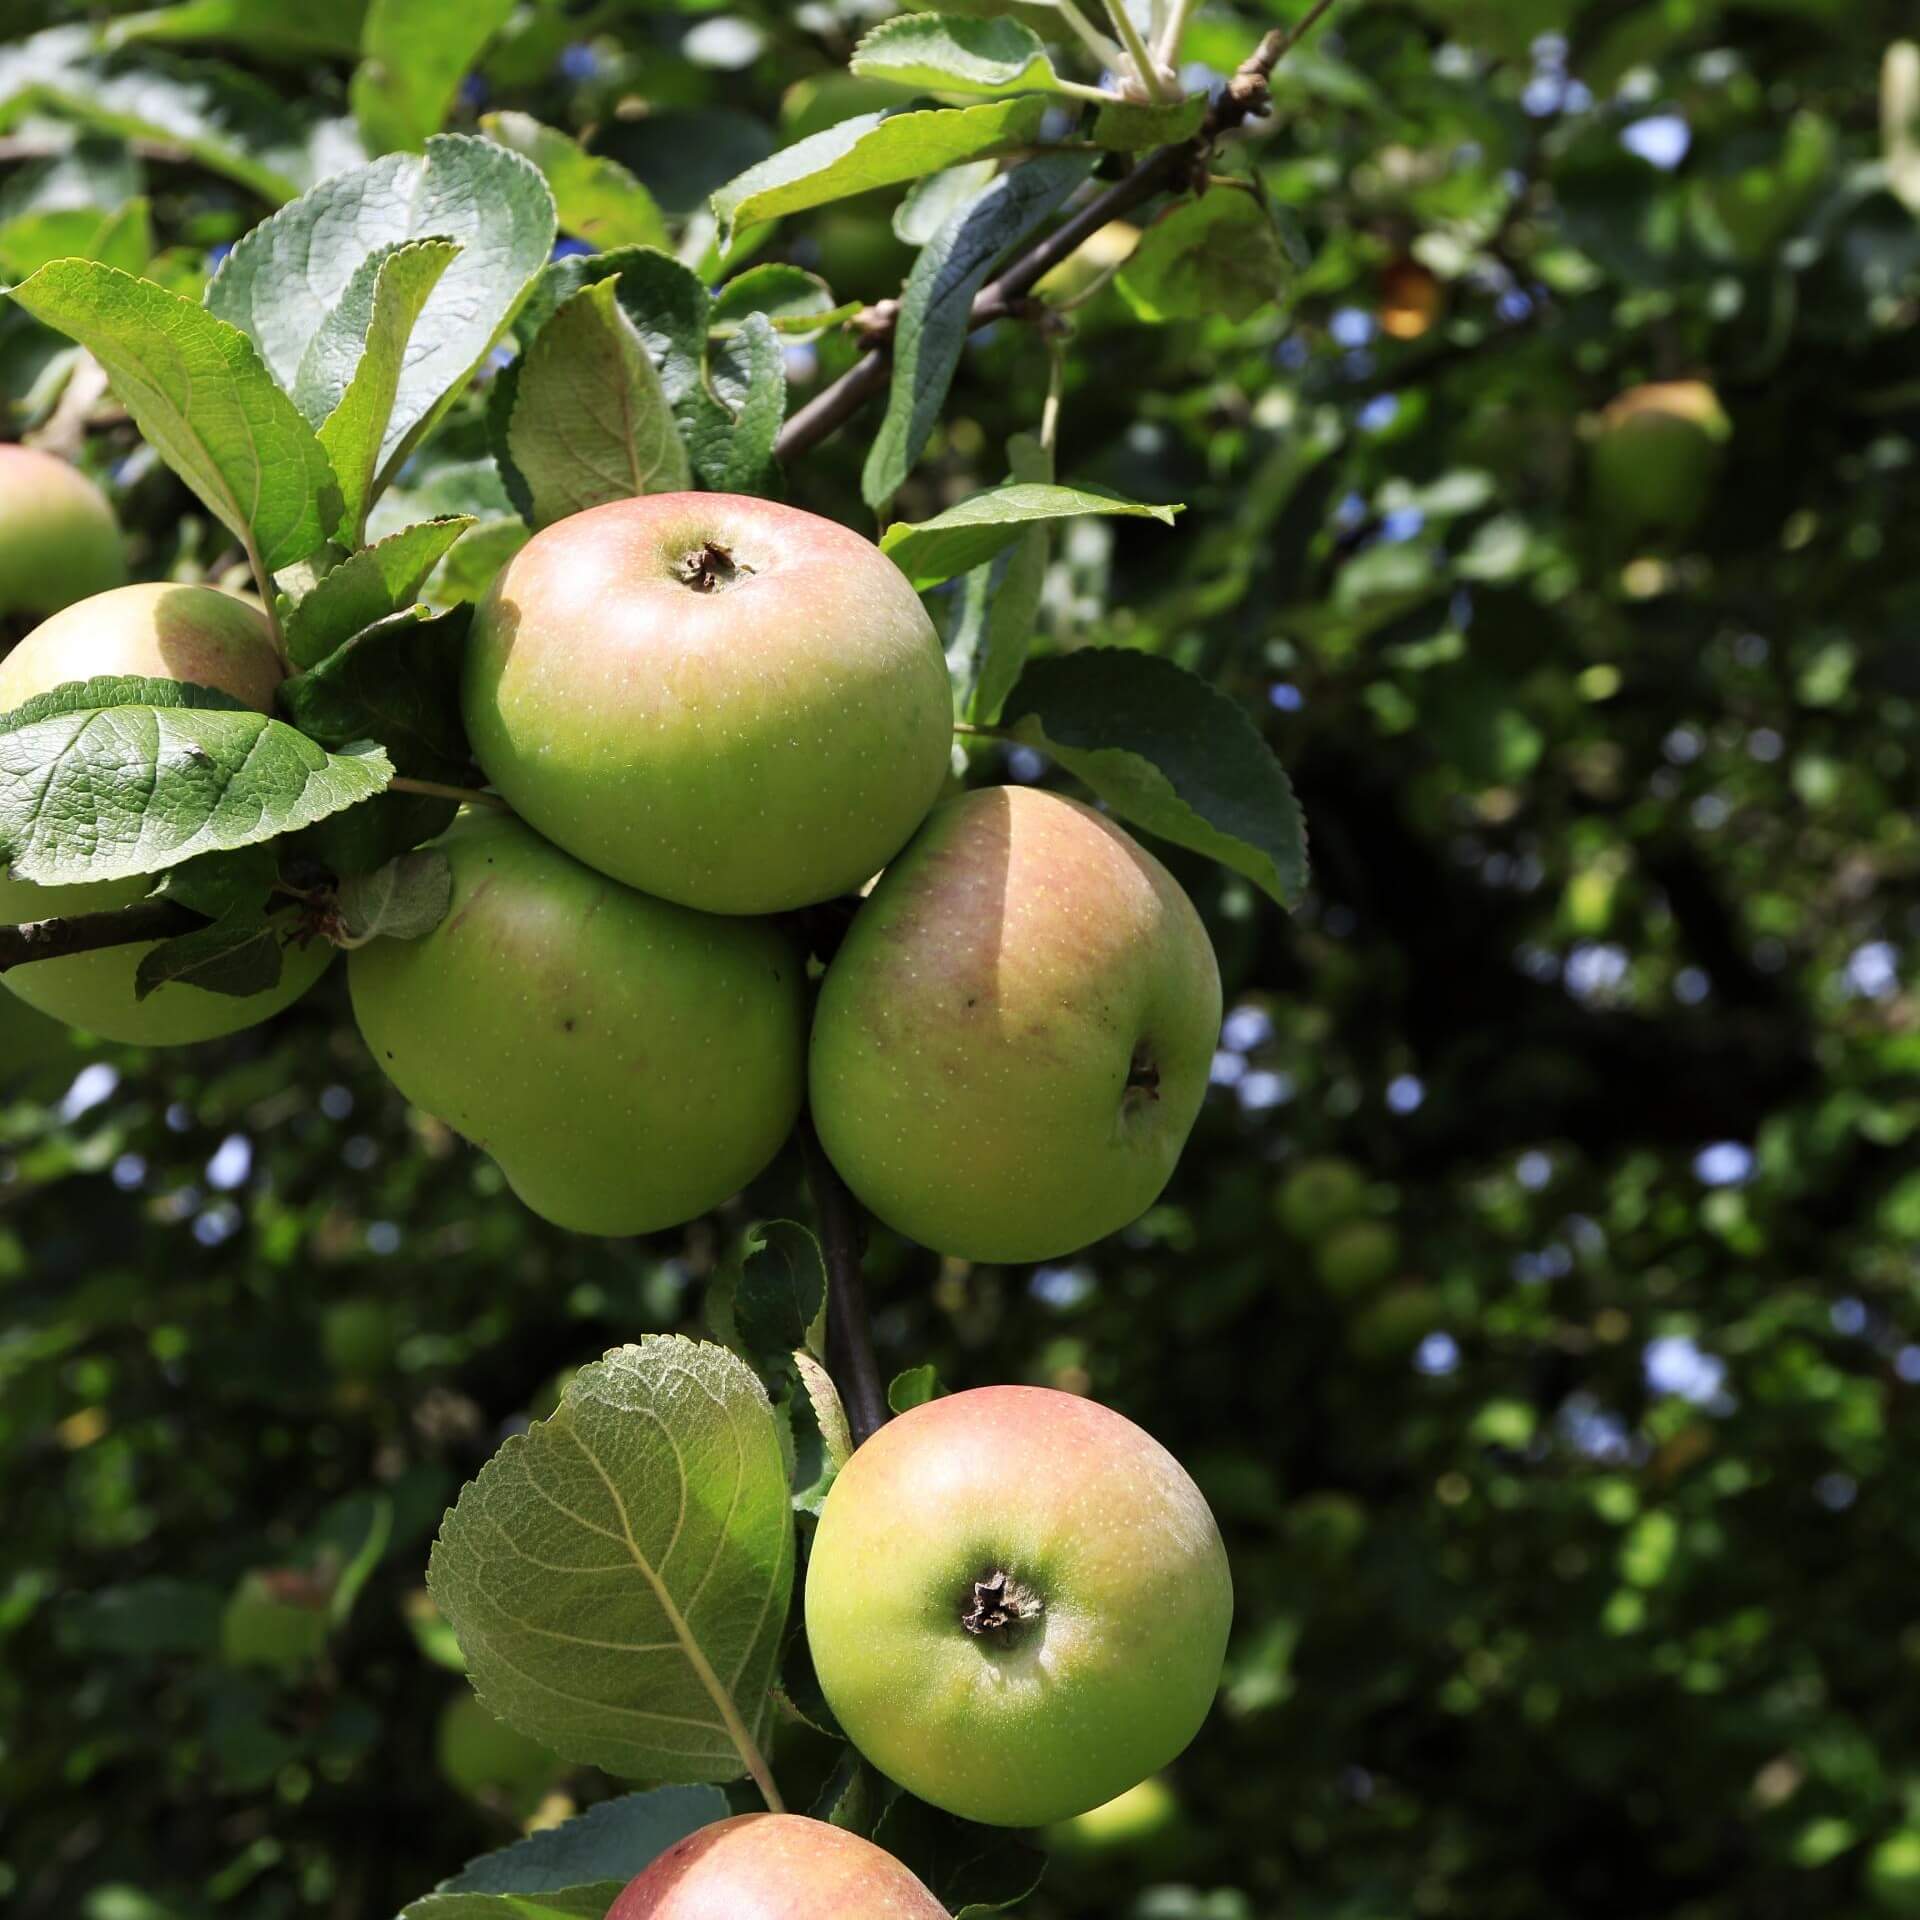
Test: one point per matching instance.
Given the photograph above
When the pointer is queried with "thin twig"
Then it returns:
(1243, 96)
(436, 790)
(849, 1338)
(91, 932)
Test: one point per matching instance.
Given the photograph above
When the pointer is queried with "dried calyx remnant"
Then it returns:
(1143, 1075)
(998, 1606)
(709, 567)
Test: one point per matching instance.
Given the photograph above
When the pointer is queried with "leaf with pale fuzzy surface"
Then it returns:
(619, 1575)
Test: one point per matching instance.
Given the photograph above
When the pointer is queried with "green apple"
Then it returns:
(1143, 1827)
(31, 1044)
(1013, 1041)
(1655, 454)
(719, 700)
(358, 1337)
(59, 540)
(1319, 1195)
(629, 1063)
(1389, 1328)
(158, 632)
(1356, 1257)
(483, 1757)
(775, 1866)
(1893, 1872)
(1017, 1604)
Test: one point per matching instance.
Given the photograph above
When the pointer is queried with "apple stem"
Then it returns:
(91, 932)
(850, 1356)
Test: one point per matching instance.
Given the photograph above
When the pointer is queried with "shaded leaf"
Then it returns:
(1169, 753)
(590, 420)
(404, 900)
(935, 307)
(782, 1288)
(970, 1869)
(1220, 254)
(618, 1575)
(239, 954)
(367, 586)
(1127, 126)
(414, 54)
(610, 1842)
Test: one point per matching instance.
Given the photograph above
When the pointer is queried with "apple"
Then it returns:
(484, 1758)
(59, 540)
(1655, 454)
(1390, 1328)
(629, 1063)
(1017, 1604)
(158, 632)
(1319, 1195)
(1013, 1041)
(1892, 1872)
(775, 1866)
(1357, 1256)
(719, 700)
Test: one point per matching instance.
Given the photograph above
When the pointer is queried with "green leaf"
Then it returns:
(108, 793)
(619, 1574)
(732, 442)
(596, 198)
(239, 954)
(414, 54)
(368, 586)
(781, 1290)
(218, 883)
(929, 204)
(969, 1869)
(847, 1798)
(568, 1903)
(936, 306)
(404, 900)
(198, 392)
(118, 690)
(1218, 255)
(1129, 127)
(477, 558)
(930, 551)
(218, 117)
(610, 1842)
(1000, 602)
(284, 278)
(829, 1414)
(590, 422)
(123, 239)
(914, 1388)
(949, 53)
(350, 373)
(396, 682)
(270, 27)
(798, 303)
(1169, 753)
(872, 150)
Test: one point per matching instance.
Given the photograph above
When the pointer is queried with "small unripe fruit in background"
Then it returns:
(59, 541)
(1356, 1257)
(1655, 454)
(1391, 1327)
(486, 1759)
(157, 632)
(358, 1337)
(1017, 1604)
(775, 1866)
(1143, 1830)
(718, 700)
(628, 1063)
(1317, 1195)
(277, 1618)
(1893, 1873)
(1013, 1042)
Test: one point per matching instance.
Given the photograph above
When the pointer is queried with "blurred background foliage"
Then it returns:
(1538, 1301)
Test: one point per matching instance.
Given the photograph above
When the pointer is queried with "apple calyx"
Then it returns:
(1000, 1606)
(1143, 1077)
(711, 568)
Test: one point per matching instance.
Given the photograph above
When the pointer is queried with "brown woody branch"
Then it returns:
(850, 1357)
(90, 932)
(1243, 98)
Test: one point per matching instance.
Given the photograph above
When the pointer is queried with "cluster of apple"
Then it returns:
(699, 713)
(990, 1635)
